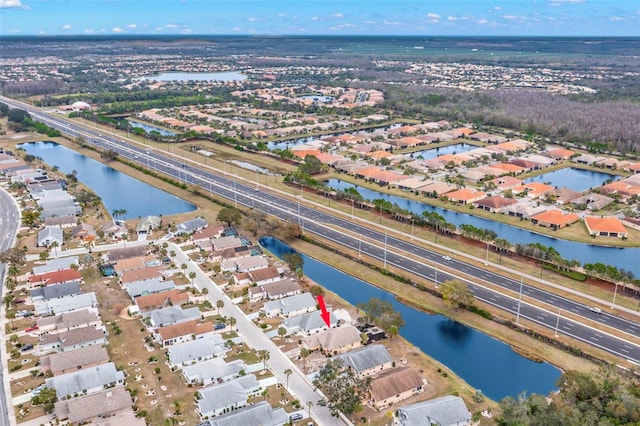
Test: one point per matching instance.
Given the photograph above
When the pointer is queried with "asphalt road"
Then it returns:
(9, 224)
(383, 246)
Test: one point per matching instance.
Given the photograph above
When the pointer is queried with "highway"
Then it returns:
(9, 224)
(379, 244)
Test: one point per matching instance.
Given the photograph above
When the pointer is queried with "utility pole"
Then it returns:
(520, 299)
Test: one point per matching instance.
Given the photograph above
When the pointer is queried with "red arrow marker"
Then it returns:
(326, 316)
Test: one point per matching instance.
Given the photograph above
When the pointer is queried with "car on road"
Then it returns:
(26, 347)
(295, 416)
(32, 328)
(595, 309)
(447, 258)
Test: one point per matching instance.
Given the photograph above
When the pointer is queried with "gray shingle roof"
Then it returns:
(195, 349)
(366, 358)
(227, 394)
(445, 411)
(172, 315)
(260, 413)
(100, 375)
(56, 291)
(290, 304)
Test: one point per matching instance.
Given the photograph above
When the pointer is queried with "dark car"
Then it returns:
(26, 347)
(18, 301)
(219, 326)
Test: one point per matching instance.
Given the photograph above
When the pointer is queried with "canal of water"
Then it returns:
(482, 361)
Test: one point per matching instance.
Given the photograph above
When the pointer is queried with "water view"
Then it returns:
(147, 128)
(482, 361)
(576, 179)
(198, 76)
(428, 154)
(626, 258)
(117, 190)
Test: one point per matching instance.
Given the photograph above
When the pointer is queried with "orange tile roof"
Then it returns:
(561, 152)
(174, 296)
(451, 157)
(537, 188)
(302, 153)
(466, 194)
(184, 328)
(508, 167)
(388, 176)
(556, 217)
(141, 274)
(57, 277)
(608, 224)
(410, 141)
(506, 182)
(376, 155)
(465, 131)
(369, 171)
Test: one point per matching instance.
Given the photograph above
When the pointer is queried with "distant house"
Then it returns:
(170, 315)
(148, 224)
(97, 406)
(231, 395)
(335, 340)
(592, 201)
(260, 413)
(55, 291)
(367, 361)
(72, 361)
(84, 232)
(183, 332)
(191, 226)
(142, 274)
(244, 264)
(50, 235)
(173, 297)
(61, 221)
(290, 306)
(266, 275)
(191, 352)
(211, 371)
(466, 196)
(275, 290)
(308, 323)
(66, 304)
(56, 277)
(446, 411)
(143, 288)
(73, 339)
(605, 226)
(494, 204)
(69, 320)
(86, 381)
(393, 386)
(554, 219)
(57, 264)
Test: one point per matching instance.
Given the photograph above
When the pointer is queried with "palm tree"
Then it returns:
(11, 315)
(232, 322)
(304, 353)
(287, 373)
(219, 305)
(55, 245)
(264, 355)
(310, 404)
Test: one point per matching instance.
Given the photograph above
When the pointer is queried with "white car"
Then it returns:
(596, 310)
(447, 258)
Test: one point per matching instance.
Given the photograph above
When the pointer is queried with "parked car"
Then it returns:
(295, 416)
(18, 301)
(37, 390)
(26, 347)
(32, 328)
(21, 314)
(219, 326)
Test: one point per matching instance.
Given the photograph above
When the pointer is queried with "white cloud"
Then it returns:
(496, 8)
(89, 31)
(391, 22)
(12, 4)
(433, 16)
(370, 22)
(117, 30)
(281, 15)
(337, 16)
(483, 22)
(255, 19)
(66, 27)
(315, 18)
(617, 19)
(171, 26)
(452, 18)
(133, 26)
(187, 31)
(509, 17)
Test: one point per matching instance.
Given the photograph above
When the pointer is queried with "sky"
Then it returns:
(322, 17)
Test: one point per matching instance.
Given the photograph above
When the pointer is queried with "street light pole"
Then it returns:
(557, 324)
(486, 259)
(412, 225)
(615, 293)
(520, 299)
(385, 249)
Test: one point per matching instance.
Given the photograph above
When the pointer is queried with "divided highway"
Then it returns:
(378, 244)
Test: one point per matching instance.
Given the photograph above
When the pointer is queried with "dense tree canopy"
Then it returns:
(342, 389)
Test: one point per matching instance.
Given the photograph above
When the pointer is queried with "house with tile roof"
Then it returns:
(142, 274)
(56, 277)
(275, 290)
(69, 320)
(395, 385)
(173, 297)
(534, 189)
(73, 339)
(554, 219)
(465, 196)
(494, 204)
(605, 226)
(592, 201)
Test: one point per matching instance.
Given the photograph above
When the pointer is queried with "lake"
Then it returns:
(117, 190)
(626, 258)
(147, 128)
(198, 76)
(428, 154)
(576, 179)
(485, 363)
